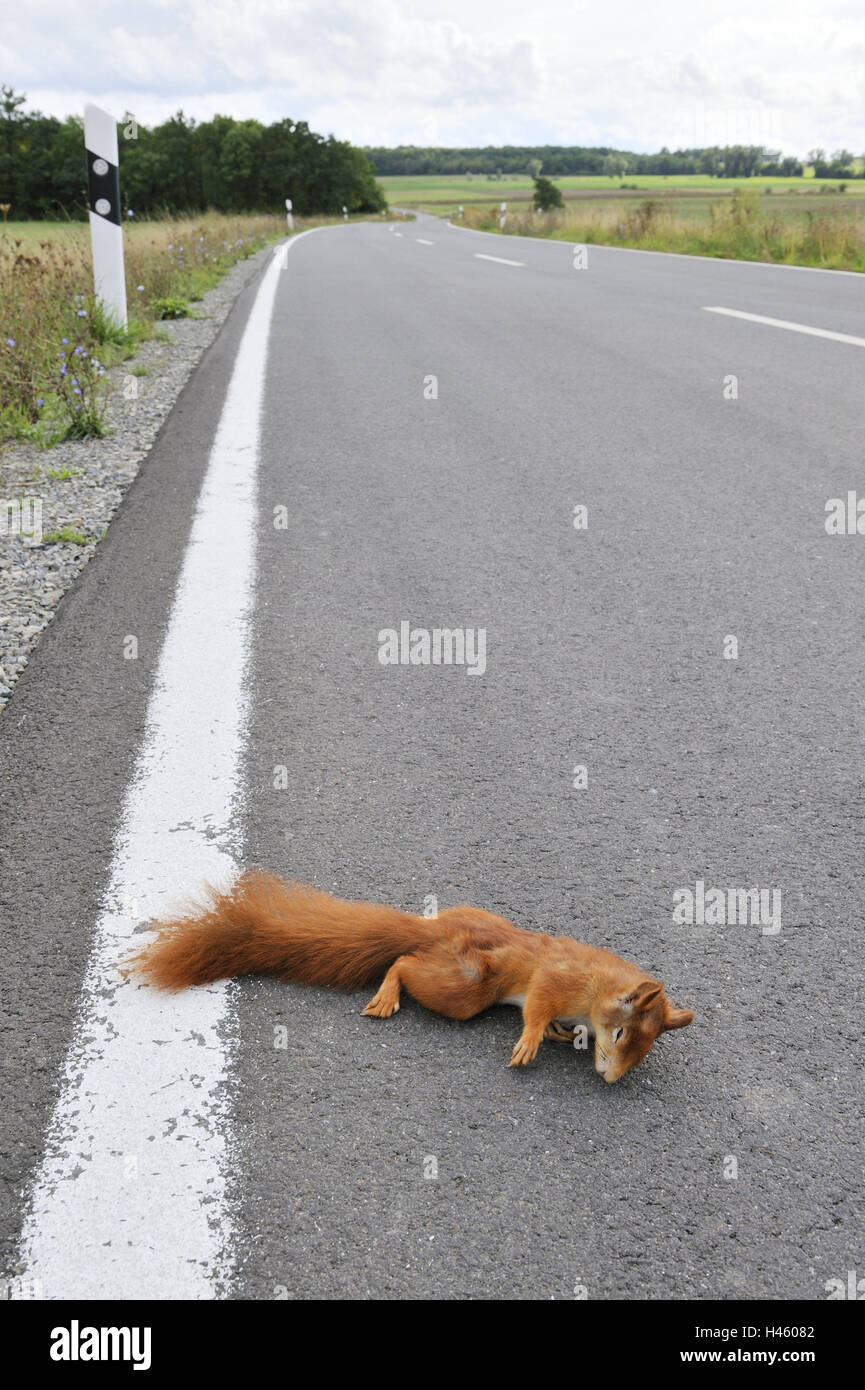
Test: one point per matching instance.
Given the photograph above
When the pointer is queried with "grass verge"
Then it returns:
(737, 228)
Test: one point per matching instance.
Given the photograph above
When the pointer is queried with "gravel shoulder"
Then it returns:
(94, 474)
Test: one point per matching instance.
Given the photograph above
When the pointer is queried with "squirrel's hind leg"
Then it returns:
(386, 1000)
(557, 1032)
(447, 978)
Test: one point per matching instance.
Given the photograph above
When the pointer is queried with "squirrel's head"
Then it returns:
(626, 1025)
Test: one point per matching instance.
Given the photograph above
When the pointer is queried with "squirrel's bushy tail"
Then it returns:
(262, 924)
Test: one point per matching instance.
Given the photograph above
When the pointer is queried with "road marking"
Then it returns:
(130, 1199)
(785, 323)
(424, 242)
(397, 233)
(479, 256)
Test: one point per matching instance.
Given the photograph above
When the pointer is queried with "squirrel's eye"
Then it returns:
(617, 1034)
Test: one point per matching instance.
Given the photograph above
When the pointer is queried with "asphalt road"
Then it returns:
(557, 387)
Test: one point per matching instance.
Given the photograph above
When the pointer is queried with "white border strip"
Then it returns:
(130, 1200)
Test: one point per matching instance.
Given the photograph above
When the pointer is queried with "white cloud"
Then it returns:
(786, 73)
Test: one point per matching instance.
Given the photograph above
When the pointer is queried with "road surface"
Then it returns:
(266, 1141)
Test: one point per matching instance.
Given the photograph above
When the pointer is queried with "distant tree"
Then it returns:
(557, 161)
(12, 120)
(65, 193)
(547, 196)
(707, 162)
(534, 168)
(210, 139)
(665, 162)
(240, 165)
(840, 164)
(182, 166)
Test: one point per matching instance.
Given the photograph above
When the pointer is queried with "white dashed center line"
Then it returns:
(479, 256)
(785, 323)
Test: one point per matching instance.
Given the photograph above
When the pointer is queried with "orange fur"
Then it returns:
(456, 964)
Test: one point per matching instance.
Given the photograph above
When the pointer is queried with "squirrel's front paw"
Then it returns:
(524, 1052)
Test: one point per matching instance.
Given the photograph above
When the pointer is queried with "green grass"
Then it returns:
(66, 535)
(419, 190)
(172, 307)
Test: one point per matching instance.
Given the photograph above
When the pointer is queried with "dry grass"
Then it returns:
(54, 340)
(739, 228)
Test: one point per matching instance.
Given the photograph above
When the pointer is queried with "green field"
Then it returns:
(688, 196)
(782, 221)
(453, 189)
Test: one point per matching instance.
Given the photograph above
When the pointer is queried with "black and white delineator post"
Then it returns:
(503, 217)
(289, 215)
(106, 233)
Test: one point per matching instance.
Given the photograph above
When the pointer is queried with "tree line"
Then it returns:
(182, 166)
(556, 161)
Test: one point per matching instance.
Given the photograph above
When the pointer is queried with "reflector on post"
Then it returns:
(106, 232)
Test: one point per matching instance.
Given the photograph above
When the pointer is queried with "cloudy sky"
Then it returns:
(637, 74)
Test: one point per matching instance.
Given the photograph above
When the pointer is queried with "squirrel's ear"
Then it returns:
(678, 1018)
(641, 997)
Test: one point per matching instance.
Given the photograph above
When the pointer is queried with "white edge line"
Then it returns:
(131, 1198)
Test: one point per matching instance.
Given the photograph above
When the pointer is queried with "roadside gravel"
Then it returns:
(34, 575)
